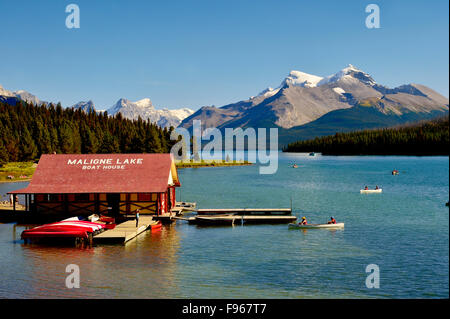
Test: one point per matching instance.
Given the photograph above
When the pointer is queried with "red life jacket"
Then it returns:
(333, 221)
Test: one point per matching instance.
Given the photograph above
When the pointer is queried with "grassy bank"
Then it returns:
(21, 171)
(210, 163)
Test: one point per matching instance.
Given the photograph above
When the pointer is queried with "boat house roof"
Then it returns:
(102, 173)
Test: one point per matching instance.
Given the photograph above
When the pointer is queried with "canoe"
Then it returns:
(59, 234)
(87, 225)
(156, 226)
(370, 191)
(317, 226)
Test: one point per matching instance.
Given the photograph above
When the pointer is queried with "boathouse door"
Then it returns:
(113, 203)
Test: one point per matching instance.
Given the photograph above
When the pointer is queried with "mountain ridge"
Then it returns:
(303, 98)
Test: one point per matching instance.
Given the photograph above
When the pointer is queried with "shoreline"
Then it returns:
(211, 163)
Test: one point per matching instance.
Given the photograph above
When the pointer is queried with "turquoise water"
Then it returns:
(404, 230)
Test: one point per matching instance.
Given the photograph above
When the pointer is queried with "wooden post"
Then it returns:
(14, 202)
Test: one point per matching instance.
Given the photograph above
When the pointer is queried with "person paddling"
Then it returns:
(366, 188)
(332, 220)
(304, 221)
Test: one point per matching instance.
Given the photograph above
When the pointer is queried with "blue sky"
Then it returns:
(192, 53)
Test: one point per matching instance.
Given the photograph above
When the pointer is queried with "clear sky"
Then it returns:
(191, 53)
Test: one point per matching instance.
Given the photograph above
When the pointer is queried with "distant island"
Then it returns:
(420, 139)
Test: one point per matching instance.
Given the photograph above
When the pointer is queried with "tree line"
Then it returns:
(27, 131)
(425, 138)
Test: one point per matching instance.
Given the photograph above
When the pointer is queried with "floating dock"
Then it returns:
(245, 211)
(242, 219)
(239, 216)
(126, 231)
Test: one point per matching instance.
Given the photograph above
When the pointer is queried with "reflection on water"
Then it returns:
(142, 268)
(266, 261)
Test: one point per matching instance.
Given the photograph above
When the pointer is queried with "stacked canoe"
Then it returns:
(66, 229)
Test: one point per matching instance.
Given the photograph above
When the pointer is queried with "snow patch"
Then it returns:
(145, 109)
(339, 90)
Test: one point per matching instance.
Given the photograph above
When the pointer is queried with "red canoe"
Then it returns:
(60, 234)
(156, 226)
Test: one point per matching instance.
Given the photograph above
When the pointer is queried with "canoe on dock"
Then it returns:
(316, 226)
(64, 229)
(126, 231)
(370, 191)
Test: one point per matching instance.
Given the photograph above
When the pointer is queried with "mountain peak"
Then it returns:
(145, 109)
(302, 79)
(348, 73)
(5, 92)
(84, 106)
(144, 103)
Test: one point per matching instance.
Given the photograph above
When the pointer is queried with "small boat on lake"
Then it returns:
(371, 191)
(316, 226)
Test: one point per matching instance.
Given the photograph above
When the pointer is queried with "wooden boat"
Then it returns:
(371, 191)
(316, 226)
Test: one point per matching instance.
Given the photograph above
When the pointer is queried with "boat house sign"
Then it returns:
(104, 163)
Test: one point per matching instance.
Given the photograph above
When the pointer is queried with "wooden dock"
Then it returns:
(232, 219)
(242, 219)
(244, 211)
(126, 231)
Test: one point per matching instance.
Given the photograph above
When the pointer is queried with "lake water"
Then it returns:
(404, 231)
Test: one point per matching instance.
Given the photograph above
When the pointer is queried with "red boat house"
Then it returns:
(107, 184)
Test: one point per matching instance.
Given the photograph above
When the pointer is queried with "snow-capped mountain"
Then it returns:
(132, 110)
(145, 109)
(84, 106)
(21, 95)
(325, 105)
(302, 79)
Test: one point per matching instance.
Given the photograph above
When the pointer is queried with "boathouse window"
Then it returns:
(82, 197)
(145, 197)
(54, 198)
